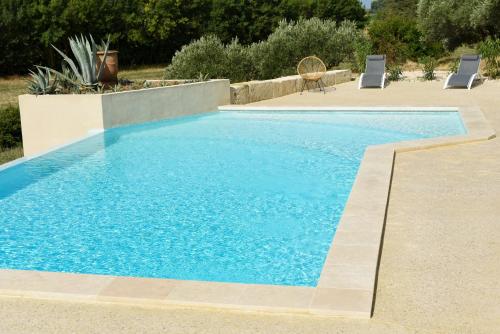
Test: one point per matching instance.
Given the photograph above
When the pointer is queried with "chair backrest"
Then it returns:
(469, 64)
(375, 64)
(311, 65)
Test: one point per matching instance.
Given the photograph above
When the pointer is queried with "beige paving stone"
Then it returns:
(355, 238)
(212, 293)
(360, 222)
(284, 297)
(349, 302)
(140, 288)
(348, 277)
(354, 254)
(19, 282)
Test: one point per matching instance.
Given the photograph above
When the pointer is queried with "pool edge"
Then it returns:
(348, 281)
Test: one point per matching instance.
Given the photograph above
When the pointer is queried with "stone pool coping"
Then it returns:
(347, 283)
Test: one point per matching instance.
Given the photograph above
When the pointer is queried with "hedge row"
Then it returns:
(276, 56)
(146, 31)
(10, 127)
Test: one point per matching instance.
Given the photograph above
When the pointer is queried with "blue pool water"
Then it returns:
(251, 197)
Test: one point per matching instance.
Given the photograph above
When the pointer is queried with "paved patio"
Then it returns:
(440, 266)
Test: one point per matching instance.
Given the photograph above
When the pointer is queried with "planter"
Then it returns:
(110, 71)
(49, 121)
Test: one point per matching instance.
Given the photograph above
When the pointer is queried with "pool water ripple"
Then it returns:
(232, 196)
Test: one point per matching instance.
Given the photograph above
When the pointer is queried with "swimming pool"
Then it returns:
(249, 197)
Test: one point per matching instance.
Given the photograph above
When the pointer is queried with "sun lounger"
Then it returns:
(374, 75)
(468, 71)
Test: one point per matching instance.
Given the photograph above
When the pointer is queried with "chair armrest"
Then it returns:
(447, 80)
(360, 83)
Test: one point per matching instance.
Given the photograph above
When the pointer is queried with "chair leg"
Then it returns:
(321, 84)
(303, 85)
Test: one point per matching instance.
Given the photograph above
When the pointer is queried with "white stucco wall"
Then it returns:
(49, 121)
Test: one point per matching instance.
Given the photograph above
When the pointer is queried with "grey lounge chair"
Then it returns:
(468, 71)
(374, 75)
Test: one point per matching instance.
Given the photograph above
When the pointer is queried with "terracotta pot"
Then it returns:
(110, 71)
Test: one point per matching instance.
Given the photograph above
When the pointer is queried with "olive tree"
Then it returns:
(454, 22)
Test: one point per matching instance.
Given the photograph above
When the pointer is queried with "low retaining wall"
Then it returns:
(49, 121)
(254, 91)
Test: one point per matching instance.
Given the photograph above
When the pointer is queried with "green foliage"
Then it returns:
(453, 67)
(19, 37)
(395, 73)
(277, 56)
(405, 8)
(206, 55)
(252, 21)
(486, 17)
(399, 38)
(454, 22)
(490, 52)
(41, 82)
(362, 48)
(429, 65)
(201, 78)
(146, 31)
(10, 127)
(291, 41)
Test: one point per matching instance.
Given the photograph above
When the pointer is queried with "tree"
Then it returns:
(486, 18)
(253, 20)
(146, 31)
(454, 22)
(406, 8)
(397, 37)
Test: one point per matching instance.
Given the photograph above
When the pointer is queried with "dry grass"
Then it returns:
(10, 88)
(7, 155)
(143, 72)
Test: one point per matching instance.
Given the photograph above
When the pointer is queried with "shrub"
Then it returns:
(206, 55)
(453, 67)
(210, 56)
(362, 48)
(10, 127)
(292, 41)
(277, 56)
(429, 65)
(395, 73)
(399, 38)
(146, 31)
(490, 51)
(454, 22)
(239, 66)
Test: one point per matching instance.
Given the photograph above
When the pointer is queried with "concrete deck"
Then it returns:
(440, 263)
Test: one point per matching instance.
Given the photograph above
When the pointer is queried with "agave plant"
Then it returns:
(41, 82)
(84, 72)
(67, 80)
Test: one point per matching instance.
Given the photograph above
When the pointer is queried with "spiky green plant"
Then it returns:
(41, 82)
(85, 53)
(68, 86)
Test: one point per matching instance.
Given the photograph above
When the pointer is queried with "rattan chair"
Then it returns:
(311, 69)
